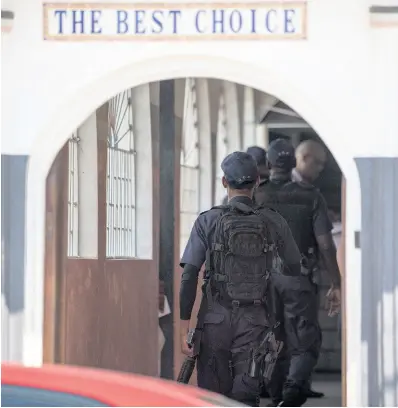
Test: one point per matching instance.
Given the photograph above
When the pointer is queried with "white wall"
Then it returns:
(342, 80)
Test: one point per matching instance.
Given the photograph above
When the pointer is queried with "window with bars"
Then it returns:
(221, 150)
(73, 195)
(121, 182)
(189, 162)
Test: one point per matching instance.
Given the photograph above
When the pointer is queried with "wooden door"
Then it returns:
(342, 266)
(98, 312)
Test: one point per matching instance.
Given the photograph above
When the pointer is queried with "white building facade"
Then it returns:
(334, 62)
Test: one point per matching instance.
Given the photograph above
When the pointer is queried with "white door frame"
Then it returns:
(76, 109)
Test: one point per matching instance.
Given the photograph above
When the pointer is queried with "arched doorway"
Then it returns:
(229, 70)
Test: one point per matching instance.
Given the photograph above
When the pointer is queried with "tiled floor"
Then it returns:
(330, 385)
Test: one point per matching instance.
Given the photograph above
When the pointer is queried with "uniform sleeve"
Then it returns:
(303, 335)
(195, 250)
(189, 283)
(321, 221)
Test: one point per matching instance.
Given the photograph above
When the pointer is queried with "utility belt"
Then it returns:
(309, 266)
(236, 304)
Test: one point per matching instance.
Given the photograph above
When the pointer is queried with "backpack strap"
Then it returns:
(242, 207)
(272, 230)
(221, 207)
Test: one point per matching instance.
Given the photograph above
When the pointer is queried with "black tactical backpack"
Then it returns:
(242, 254)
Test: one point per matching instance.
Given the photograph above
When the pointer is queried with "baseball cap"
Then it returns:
(281, 154)
(259, 154)
(240, 170)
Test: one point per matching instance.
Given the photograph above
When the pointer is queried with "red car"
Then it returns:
(68, 386)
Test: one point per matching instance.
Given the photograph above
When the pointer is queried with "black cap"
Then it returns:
(281, 154)
(259, 154)
(240, 170)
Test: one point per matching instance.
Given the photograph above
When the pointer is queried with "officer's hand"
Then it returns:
(184, 328)
(333, 301)
(184, 346)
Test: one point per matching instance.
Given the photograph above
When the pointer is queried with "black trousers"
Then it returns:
(308, 384)
(229, 336)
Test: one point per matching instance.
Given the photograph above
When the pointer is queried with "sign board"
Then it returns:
(170, 21)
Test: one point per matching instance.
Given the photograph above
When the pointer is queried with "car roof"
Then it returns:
(109, 387)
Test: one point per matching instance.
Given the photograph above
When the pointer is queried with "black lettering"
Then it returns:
(60, 14)
(158, 23)
(235, 21)
(122, 22)
(76, 21)
(219, 21)
(197, 21)
(95, 16)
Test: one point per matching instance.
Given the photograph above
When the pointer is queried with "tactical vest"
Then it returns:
(296, 205)
(241, 255)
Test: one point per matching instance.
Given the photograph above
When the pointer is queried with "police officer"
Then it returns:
(260, 156)
(305, 210)
(247, 251)
(310, 161)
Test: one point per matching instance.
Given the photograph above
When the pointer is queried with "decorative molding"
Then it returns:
(383, 9)
(383, 16)
(7, 20)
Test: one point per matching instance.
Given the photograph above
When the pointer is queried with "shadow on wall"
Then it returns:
(379, 247)
(13, 187)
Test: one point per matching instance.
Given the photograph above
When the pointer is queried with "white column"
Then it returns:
(249, 119)
(88, 188)
(143, 177)
(262, 135)
(205, 152)
(232, 116)
(215, 89)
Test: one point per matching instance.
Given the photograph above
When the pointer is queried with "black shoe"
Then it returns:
(274, 403)
(313, 394)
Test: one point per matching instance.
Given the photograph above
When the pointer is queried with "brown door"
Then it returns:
(342, 266)
(98, 312)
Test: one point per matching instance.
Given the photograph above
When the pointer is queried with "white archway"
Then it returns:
(77, 108)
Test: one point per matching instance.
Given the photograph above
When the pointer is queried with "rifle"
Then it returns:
(189, 363)
(193, 341)
(265, 357)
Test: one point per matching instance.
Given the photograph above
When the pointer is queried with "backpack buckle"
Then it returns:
(235, 304)
(218, 247)
(269, 247)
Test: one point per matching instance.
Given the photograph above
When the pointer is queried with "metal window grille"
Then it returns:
(222, 149)
(121, 182)
(73, 195)
(190, 161)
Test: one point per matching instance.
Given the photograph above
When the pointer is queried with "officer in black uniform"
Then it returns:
(305, 211)
(247, 252)
(260, 156)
